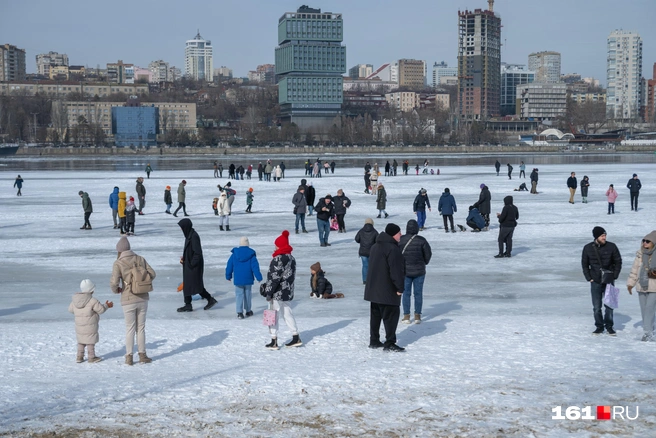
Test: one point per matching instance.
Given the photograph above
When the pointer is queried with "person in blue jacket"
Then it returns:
(245, 267)
(474, 219)
(446, 207)
(113, 204)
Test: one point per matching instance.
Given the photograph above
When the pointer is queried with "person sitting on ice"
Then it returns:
(321, 287)
(474, 219)
(522, 188)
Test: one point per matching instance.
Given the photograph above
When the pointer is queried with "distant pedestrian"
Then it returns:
(141, 195)
(88, 209)
(585, 183)
(484, 205)
(384, 288)
(300, 208)
(130, 216)
(497, 166)
(310, 196)
(366, 237)
(373, 181)
(216, 169)
(282, 169)
(326, 167)
(534, 181)
(113, 205)
(224, 211)
(249, 171)
(87, 311)
(405, 167)
(367, 181)
(342, 204)
(249, 200)
(447, 207)
(231, 171)
(267, 171)
(395, 165)
(507, 223)
(572, 185)
(148, 170)
(611, 196)
(332, 167)
(18, 183)
(634, 187)
(245, 268)
(388, 166)
(643, 276)
(220, 170)
(602, 263)
(416, 254)
(417, 169)
(381, 201)
(325, 211)
(522, 170)
(193, 268)
(279, 290)
(168, 199)
(260, 171)
(182, 195)
(419, 206)
(510, 169)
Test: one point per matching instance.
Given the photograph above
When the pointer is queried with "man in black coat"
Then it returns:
(416, 255)
(385, 281)
(497, 166)
(572, 184)
(310, 195)
(366, 237)
(534, 181)
(325, 210)
(231, 171)
(141, 194)
(193, 266)
(634, 187)
(507, 223)
(597, 256)
(342, 203)
(484, 205)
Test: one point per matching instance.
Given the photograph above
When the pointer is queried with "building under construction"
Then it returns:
(479, 64)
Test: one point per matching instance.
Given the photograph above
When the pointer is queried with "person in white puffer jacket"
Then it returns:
(87, 311)
(224, 211)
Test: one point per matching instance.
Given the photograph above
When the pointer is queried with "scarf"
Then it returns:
(648, 264)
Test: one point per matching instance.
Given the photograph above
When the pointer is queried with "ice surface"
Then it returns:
(501, 344)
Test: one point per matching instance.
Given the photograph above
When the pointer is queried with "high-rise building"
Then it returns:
(120, 73)
(360, 71)
(224, 73)
(512, 75)
(412, 73)
(650, 98)
(45, 61)
(546, 66)
(198, 59)
(479, 63)
(12, 63)
(541, 101)
(267, 73)
(624, 75)
(442, 70)
(310, 61)
(160, 71)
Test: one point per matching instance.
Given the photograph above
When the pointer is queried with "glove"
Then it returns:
(263, 289)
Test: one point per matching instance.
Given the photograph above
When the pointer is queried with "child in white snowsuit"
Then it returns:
(87, 312)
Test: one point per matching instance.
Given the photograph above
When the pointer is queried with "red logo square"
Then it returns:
(603, 412)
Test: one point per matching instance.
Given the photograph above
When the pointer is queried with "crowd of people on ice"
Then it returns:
(393, 263)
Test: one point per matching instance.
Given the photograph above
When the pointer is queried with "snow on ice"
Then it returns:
(502, 342)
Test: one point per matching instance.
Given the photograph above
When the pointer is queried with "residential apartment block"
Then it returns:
(161, 71)
(546, 66)
(403, 100)
(198, 59)
(120, 73)
(650, 98)
(12, 63)
(412, 73)
(541, 101)
(442, 70)
(360, 71)
(45, 61)
(624, 75)
(62, 89)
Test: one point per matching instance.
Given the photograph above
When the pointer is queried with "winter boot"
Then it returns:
(128, 359)
(273, 345)
(80, 358)
(221, 227)
(339, 295)
(296, 231)
(499, 256)
(185, 308)
(94, 359)
(406, 319)
(378, 217)
(417, 318)
(295, 342)
(227, 227)
(305, 231)
(210, 303)
(453, 230)
(249, 313)
(144, 359)
(386, 215)
(240, 316)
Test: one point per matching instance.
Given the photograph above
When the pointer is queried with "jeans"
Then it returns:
(300, 217)
(310, 210)
(634, 200)
(324, 230)
(611, 207)
(421, 218)
(365, 267)
(522, 173)
(243, 294)
(168, 207)
(114, 215)
(505, 236)
(389, 316)
(597, 291)
(416, 283)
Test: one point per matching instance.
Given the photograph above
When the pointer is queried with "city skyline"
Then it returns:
(245, 33)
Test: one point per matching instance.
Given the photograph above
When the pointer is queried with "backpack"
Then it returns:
(140, 281)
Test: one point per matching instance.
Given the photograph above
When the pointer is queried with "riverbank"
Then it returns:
(33, 151)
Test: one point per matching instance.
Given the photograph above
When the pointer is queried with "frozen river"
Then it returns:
(503, 342)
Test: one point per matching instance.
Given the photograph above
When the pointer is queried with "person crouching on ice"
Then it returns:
(321, 287)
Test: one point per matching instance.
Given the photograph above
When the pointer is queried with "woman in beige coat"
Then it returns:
(87, 311)
(643, 277)
(134, 305)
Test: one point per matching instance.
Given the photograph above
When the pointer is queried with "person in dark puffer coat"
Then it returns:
(193, 268)
(484, 205)
(321, 287)
(507, 223)
(342, 203)
(416, 254)
(447, 206)
(366, 237)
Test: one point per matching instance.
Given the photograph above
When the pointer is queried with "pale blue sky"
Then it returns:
(244, 33)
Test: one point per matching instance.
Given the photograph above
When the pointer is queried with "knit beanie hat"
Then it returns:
(123, 244)
(168, 187)
(597, 231)
(243, 241)
(316, 267)
(392, 229)
(80, 192)
(369, 221)
(228, 184)
(482, 186)
(87, 286)
(184, 182)
(282, 241)
(328, 196)
(635, 174)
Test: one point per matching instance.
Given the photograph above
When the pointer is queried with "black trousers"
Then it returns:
(340, 222)
(448, 217)
(522, 173)
(634, 200)
(505, 236)
(86, 219)
(472, 225)
(389, 315)
(130, 227)
(204, 295)
(181, 205)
